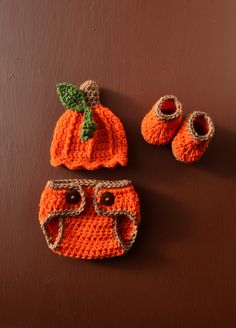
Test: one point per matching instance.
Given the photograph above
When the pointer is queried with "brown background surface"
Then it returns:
(182, 269)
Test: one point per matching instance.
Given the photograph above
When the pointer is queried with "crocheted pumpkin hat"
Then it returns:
(89, 219)
(87, 135)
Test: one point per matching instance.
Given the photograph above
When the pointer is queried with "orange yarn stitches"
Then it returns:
(89, 219)
(84, 139)
(161, 123)
(193, 138)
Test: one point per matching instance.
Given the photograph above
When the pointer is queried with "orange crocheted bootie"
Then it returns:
(89, 219)
(87, 135)
(193, 138)
(161, 123)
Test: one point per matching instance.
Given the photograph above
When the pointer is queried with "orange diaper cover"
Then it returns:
(89, 219)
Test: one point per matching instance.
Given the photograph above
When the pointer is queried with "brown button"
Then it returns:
(72, 196)
(107, 198)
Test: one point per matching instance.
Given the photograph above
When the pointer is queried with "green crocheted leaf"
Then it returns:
(71, 97)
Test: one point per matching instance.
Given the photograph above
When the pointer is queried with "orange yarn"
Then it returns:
(193, 138)
(161, 123)
(89, 219)
(108, 146)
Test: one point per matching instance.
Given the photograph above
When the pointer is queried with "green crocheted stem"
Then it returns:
(73, 98)
(88, 126)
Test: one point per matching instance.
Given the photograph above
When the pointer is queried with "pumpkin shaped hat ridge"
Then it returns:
(87, 135)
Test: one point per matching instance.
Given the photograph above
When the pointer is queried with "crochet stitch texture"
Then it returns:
(87, 135)
(193, 138)
(89, 219)
(160, 124)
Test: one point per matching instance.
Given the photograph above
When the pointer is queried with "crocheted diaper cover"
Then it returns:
(87, 135)
(89, 219)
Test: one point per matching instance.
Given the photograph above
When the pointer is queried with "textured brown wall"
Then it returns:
(182, 270)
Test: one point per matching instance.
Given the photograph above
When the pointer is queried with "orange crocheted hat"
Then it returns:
(87, 135)
(89, 219)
